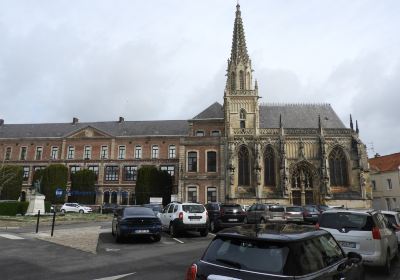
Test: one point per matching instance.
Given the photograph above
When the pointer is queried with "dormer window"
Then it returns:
(242, 118)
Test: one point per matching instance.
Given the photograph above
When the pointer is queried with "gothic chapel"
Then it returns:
(241, 151)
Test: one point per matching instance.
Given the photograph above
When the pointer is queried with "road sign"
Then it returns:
(59, 192)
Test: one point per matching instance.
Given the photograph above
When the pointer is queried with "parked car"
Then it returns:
(294, 213)
(393, 218)
(177, 217)
(75, 207)
(275, 251)
(363, 231)
(134, 222)
(224, 215)
(157, 208)
(311, 213)
(258, 213)
(108, 208)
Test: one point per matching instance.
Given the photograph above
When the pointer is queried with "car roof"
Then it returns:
(272, 232)
(341, 210)
(390, 212)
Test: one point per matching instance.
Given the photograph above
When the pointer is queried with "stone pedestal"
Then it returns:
(36, 203)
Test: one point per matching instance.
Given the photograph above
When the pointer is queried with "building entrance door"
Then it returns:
(296, 197)
(310, 197)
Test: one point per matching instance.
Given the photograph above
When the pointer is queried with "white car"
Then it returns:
(177, 217)
(394, 218)
(365, 232)
(75, 207)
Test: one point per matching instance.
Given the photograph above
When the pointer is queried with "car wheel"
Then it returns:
(63, 211)
(245, 221)
(172, 230)
(118, 237)
(112, 231)
(157, 238)
(387, 266)
(204, 232)
(81, 211)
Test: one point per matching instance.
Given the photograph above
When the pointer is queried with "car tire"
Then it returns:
(245, 221)
(118, 237)
(63, 211)
(81, 211)
(387, 267)
(157, 238)
(172, 230)
(204, 232)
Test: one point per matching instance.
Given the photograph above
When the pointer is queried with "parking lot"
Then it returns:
(26, 255)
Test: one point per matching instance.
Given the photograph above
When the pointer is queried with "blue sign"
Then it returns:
(59, 192)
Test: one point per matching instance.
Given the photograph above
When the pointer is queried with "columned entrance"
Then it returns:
(304, 184)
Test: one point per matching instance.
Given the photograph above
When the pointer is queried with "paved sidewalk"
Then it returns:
(82, 238)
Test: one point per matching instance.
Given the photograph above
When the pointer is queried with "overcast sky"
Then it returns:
(152, 60)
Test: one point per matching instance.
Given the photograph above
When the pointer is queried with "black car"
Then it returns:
(107, 208)
(224, 215)
(276, 251)
(134, 222)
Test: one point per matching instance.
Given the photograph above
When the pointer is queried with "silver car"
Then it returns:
(362, 231)
(294, 213)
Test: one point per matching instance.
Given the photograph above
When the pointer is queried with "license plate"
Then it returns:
(347, 244)
(142, 231)
(232, 220)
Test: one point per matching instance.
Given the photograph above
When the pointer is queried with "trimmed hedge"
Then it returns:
(12, 208)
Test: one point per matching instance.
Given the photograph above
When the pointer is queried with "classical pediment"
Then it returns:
(89, 132)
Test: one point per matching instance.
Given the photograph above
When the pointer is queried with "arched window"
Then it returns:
(106, 197)
(233, 81)
(244, 165)
(241, 79)
(242, 118)
(338, 168)
(269, 167)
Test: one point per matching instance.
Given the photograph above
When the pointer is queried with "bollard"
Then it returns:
(37, 223)
(52, 225)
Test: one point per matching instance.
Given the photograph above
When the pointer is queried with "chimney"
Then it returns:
(75, 120)
(1, 121)
(121, 119)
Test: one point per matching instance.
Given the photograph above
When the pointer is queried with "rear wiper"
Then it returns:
(231, 263)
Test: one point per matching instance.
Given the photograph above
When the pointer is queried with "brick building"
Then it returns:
(241, 151)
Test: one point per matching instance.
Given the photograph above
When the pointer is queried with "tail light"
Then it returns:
(376, 234)
(222, 212)
(191, 272)
(180, 216)
(317, 225)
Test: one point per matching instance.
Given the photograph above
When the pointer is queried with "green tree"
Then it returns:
(54, 176)
(10, 181)
(152, 182)
(83, 187)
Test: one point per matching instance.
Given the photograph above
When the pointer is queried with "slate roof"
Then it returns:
(299, 116)
(215, 111)
(125, 128)
(385, 163)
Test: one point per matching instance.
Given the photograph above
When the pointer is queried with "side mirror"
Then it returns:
(354, 258)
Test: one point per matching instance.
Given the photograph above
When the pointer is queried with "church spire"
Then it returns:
(239, 48)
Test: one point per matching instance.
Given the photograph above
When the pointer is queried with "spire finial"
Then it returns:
(239, 49)
(357, 130)
(351, 123)
(280, 121)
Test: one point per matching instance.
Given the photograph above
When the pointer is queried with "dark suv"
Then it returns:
(276, 251)
(224, 215)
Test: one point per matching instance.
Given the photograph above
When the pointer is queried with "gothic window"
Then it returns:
(338, 168)
(233, 81)
(241, 79)
(269, 167)
(242, 118)
(244, 166)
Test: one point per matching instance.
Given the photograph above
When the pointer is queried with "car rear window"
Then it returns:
(231, 207)
(294, 209)
(193, 208)
(251, 255)
(138, 211)
(276, 209)
(346, 220)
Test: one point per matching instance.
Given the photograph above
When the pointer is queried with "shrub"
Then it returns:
(10, 181)
(52, 177)
(12, 208)
(83, 187)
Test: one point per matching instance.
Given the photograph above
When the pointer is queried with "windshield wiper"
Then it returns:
(231, 263)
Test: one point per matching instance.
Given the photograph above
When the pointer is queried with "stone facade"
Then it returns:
(241, 151)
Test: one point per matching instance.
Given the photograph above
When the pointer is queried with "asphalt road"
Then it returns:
(31, 258)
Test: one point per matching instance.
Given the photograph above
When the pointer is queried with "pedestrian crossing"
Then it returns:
(10, 236)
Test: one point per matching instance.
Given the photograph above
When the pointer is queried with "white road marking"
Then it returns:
(116, 277)
(177, 240)
(112, 250)
(10, 236)
(9, 228)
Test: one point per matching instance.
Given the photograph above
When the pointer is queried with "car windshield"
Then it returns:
(193, 208)
(294, 209)
(138, 211)
(340, 220)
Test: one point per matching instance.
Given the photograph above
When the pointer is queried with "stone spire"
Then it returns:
(239, 49)
(351, 123)
(357, 130)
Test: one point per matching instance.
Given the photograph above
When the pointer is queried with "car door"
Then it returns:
(163, 216)
(251, 214)
(387, 233)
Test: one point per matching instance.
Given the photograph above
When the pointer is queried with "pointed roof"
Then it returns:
(215, 111)
(239, 49)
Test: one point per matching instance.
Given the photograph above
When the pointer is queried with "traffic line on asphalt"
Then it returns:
(177, 240)
(10, 236)
(116, 276)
